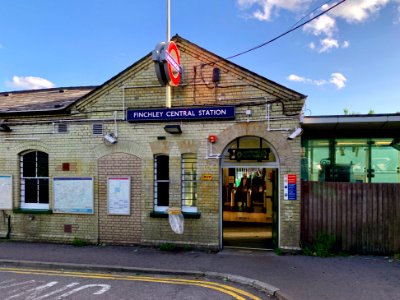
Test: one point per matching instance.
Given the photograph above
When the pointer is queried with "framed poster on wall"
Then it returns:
(119, 195)
(73, 195)
(5, 192)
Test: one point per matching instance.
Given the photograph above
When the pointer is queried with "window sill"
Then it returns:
(186, 215)
(32, 211)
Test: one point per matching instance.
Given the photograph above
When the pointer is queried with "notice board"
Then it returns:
(119, 195)
(290, 187)
(73, 195)
(5, 192)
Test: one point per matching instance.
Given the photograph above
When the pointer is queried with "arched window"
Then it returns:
(34, 172)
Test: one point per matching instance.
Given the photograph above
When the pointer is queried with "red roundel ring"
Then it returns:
(173, 64)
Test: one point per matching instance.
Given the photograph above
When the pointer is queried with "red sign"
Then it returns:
(167, 63)
(291, 178)
(173, 64)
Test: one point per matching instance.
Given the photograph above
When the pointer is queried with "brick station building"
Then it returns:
(103, 164)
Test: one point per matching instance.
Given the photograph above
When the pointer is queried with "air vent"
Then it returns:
(62, 128)
(97, 129)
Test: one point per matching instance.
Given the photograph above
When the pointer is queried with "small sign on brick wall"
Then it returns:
(207, 177)
(290, 187)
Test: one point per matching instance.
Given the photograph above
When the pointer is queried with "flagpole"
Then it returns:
(168, 87)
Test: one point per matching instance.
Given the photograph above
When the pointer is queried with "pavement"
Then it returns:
(285, 277)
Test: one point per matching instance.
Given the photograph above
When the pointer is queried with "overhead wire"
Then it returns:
(286, 32)
(293, 28)
(310, 13)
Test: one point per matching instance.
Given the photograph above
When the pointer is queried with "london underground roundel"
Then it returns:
(172, 64)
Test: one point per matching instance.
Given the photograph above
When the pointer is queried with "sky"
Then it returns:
(349, 58)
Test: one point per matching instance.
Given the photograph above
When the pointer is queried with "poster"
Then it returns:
(5, 192)
(73, 195)
(290, 187)
(119, 195)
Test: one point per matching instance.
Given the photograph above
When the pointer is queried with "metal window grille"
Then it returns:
(189, 180)
(97, 129)
(62, 128)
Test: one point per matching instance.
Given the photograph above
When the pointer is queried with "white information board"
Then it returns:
(119, 195)
(5, 192)
(73, 195)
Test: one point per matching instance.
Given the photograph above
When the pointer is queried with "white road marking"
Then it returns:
(15, 284)
(32, 293)
(57, 291)
(104, 288)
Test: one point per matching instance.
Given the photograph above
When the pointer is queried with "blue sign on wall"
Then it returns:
(178, 114)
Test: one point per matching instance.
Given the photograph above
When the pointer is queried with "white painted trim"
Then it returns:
(34, 205)
(192, 209)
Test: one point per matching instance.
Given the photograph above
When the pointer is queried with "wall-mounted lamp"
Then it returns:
(298, 131)
(5, 128)
(110, 138)
(173, 129)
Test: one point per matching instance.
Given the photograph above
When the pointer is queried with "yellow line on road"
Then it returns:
(232, 291)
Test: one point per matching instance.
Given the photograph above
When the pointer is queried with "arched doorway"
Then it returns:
(250, 188)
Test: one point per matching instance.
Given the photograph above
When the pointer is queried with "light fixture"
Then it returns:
(298, 131)
(110, 138)
(173, 129)
(5, 128)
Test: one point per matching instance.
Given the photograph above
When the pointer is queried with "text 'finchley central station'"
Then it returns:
(203, 113)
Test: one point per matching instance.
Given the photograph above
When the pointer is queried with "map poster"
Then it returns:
(119, 195)
(5, 192)
(73, 195)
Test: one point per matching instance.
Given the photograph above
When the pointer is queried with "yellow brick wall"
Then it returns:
(137, 87)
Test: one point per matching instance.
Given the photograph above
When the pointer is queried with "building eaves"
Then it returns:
(41, 101)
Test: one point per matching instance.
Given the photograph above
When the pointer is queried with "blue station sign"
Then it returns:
(181, 114)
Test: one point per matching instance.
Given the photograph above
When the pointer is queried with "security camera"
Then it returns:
(295, 133)
(109, 137)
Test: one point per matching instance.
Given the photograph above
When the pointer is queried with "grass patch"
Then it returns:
(187, 248)
(167, 247)
(278, 251)
(77, 242)
(397, 256)
(324, 246)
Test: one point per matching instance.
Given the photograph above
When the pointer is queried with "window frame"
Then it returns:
(191, 159)
(39, 180)
(156, 181)
(369, 172)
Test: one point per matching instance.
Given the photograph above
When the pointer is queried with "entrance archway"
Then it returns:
(249, 196)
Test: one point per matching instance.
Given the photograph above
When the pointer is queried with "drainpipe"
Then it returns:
(7, 237)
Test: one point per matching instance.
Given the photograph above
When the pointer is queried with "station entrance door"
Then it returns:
(249, 195)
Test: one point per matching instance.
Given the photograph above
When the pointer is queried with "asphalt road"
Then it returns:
(36, 284)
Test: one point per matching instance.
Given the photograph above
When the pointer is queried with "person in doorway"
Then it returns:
(257, 186)
(244, 192)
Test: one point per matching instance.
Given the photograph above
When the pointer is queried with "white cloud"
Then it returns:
(337, 79)
(296, 78)
(267, 8)
(327, 44)
(358, 10)
(29, 83)
(346, 44)
(324, 25)
(397, 19)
